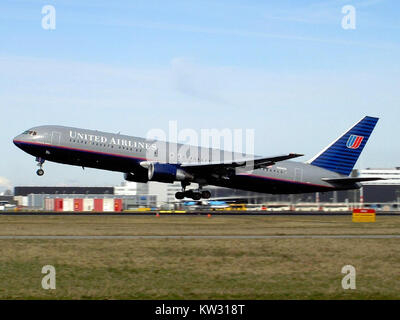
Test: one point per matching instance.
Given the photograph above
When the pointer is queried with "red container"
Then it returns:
(78, 205)
(58, 205)
(118, 205)
(98, 205)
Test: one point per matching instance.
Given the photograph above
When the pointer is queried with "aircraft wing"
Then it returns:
(351, 180)
(253, 163)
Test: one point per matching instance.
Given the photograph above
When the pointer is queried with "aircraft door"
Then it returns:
(46, 137)
(55, 138)
(172, 155)
(298, 174)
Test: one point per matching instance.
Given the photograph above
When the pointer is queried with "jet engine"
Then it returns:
(163, 172)
(137, 176)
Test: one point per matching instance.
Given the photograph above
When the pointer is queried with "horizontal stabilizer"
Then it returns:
(350, 180)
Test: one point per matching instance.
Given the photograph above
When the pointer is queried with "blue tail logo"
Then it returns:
(354, 141)
(342, 154)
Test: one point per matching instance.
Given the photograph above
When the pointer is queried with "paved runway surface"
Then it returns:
(193, 213)
(215, 237)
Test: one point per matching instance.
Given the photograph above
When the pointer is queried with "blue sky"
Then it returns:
(286, 69)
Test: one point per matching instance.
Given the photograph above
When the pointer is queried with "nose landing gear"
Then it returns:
(40, 171)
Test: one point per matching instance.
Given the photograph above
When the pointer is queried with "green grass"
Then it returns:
(199, 269)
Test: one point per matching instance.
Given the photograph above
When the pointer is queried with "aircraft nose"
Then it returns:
(17, 140)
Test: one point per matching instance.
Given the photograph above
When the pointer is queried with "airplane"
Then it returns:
(144, 160)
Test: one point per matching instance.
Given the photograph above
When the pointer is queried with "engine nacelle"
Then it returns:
(137, 176)
(163, 172)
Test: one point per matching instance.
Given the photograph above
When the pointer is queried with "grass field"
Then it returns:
(198, 268)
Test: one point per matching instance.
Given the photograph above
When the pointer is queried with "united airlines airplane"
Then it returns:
(143, 160)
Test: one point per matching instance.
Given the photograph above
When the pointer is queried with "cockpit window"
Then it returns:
(30, 132)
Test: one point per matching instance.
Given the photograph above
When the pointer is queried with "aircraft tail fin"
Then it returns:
(342, 154)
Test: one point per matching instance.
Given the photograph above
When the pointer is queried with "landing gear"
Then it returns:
(194, 194)
(189, 194)
(179, 195)
(206, 194)
(40, 171)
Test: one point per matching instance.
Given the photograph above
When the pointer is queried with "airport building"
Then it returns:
(161, 195)
(164, 193)
(38, 197)
(131, 189)
(387, 190)
(26, 190)
(89, 202)
(390, 176)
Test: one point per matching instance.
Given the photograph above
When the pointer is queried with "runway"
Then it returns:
(208, 237)
(193, 213)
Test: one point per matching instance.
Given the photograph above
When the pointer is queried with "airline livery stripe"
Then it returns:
(81, 150)
(132, 157)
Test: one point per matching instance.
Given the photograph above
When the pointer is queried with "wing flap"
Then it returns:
(350, 180)
(254, 163)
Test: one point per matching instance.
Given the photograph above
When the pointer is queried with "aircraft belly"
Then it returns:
(82, 158)
(269, 185)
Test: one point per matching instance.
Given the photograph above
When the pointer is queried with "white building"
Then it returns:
(131, 189)
(391, 176)
(165, 192)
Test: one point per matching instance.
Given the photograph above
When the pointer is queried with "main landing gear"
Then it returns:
(40, 171)
(194, 194)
